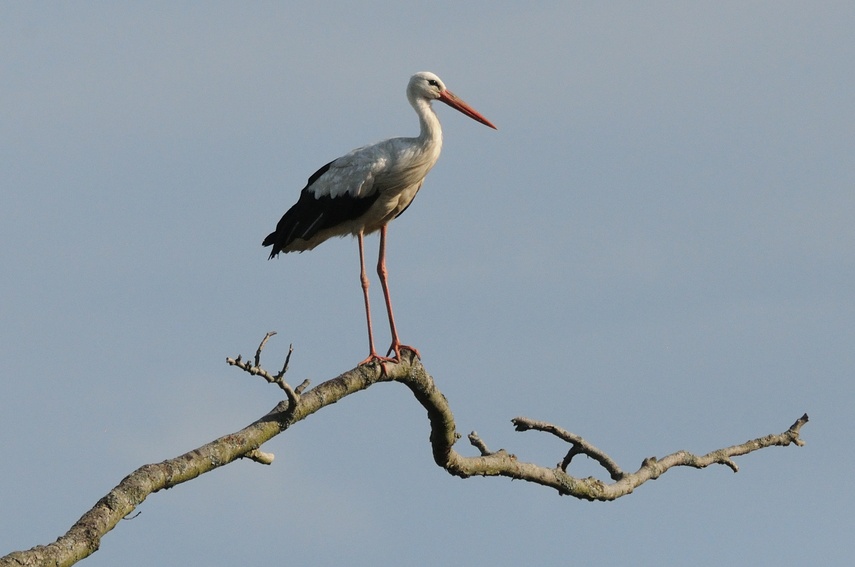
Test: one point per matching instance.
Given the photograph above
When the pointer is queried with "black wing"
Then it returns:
(311, 214)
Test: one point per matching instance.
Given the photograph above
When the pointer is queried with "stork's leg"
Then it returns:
(363, 276)
(384, 282)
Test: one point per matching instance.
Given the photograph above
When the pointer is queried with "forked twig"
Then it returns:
(578, 445)
(278, 379)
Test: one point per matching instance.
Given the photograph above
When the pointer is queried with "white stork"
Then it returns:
(361, 192)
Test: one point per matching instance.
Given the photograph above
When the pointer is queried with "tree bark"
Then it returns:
(85, 535)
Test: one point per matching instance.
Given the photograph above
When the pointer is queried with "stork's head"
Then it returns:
(427, 86)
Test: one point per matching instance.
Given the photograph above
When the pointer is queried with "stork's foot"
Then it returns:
(398, 347)
(374, 357)
(384, 360)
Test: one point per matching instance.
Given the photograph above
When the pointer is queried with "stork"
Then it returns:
(362, 191)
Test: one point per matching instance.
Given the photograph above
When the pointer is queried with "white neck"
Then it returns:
(430, 133)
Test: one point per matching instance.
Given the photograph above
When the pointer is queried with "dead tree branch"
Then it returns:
(84, 537)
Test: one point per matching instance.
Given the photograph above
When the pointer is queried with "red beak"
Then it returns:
(456, 102)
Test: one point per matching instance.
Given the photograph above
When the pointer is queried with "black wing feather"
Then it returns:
(311, 214)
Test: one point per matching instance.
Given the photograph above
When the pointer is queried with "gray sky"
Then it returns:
(654, 251)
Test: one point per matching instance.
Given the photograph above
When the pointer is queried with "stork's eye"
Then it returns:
(433, 82)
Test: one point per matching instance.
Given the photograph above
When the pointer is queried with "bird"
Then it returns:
(361, 192)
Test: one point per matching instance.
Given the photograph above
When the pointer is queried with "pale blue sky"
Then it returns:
(656, 251)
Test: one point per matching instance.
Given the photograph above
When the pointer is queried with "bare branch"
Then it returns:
(260, 457)
(278, 379)
(578, 445)
(478, 443)
(84, 537)
(502, 463)
(303, 385)
(261, 347)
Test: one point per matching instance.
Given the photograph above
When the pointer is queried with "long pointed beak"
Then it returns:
(457, 103)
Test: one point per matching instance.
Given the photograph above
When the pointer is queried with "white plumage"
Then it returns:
(362, 191)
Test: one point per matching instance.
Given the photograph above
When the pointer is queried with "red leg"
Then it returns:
(372, 353)
(384, 282)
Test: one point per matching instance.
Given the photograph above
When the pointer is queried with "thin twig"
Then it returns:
(478, 443)
(261, 347)
(259, 457)
(579, 445)
(278, 379)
